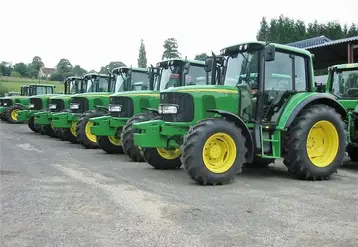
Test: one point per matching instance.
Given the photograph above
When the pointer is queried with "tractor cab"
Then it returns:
(74, 84)
(25, 91)
(40, 89)
(130, 79)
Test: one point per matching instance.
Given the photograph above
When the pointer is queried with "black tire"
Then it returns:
(81, 129)
(49, 130)
(129, 147)
(154, 159)
(9, 114)
(106, 145)
(353, 153)
(34, 127)
(295, 152)
(259, 163)
(60, 134)
(69, 136)
(194, 144)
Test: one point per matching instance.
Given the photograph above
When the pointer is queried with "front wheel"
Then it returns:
(110, 144)
(12, 113)
(132, 150)
(34, 127)
(214, 151)
(161, 158)
(315, 143)
(70, 134)
(83, 129)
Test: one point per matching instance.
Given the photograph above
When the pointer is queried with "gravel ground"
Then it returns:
(53, 193)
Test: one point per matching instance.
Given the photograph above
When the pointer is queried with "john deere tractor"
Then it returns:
(342, 82)
(14, 104)
(264, 107)
(38, 101)
(9, 99)
(98, 90)
(60, 103)
(130, 107)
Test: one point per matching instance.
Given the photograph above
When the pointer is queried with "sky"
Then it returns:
(93, 33)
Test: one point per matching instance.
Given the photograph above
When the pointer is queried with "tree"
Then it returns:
(263, 32)
(34, 67)
(64, 66)
(142, 57)
(92, 71)
(15, 74)
(109, 67)
(201, 57)
(78, 71)
(170, 49)
(5, 68)
(21, 69)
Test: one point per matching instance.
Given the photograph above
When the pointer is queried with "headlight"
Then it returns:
(31, 106)
(168, 109)
(52, 106)
(5, 104)
(115, 108)
(74, 106)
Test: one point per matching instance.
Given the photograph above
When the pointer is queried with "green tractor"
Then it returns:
(12, 94)
(59, 103)
(14, 104)
(8, 100)
(342, 82)
(98, 88)
(265, 106)
(141, 104)
(38, 101)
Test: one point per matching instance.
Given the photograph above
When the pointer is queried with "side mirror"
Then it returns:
(208, 64)
(269, 53)
(186, 68)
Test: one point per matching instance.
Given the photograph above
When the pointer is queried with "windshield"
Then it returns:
(118, 86)
(42, 90)
(72, 86)
(242, 69)
(345, 83)
(171, 76)
(99, 84)
(24, 91)
(140, 81)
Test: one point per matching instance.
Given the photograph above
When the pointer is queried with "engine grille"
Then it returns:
(185, 103)
(37, 102)
(83, 104)
(8, 101)
(126, 105)
(60, 105)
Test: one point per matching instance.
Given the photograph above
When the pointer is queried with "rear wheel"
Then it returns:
(315, 143)
(129, 147)
(50, 130)
(83, 129)
(162, 158)
(12, 113)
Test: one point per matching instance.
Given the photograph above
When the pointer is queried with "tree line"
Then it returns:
(284, 30)
(280, 30)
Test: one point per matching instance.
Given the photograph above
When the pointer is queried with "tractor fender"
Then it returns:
(240, 123)
(21, 105)
(155, 111)
(101, 108)
(316, 99)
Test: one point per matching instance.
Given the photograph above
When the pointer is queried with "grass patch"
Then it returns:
(14, 84)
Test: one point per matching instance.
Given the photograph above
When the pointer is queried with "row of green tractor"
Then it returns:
(250, 105)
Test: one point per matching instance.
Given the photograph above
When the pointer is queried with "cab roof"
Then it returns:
(346, 66)
(261, 44)
(116, 70)
(198, 62)
(90, 75)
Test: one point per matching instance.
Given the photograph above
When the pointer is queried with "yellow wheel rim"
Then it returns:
(73, 128)
(114, 140)
(14, 114)
(90, 137)
(169, 154)
(322, 143)
(219, 153)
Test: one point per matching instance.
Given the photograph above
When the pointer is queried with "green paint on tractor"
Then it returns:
(262, 105)
(12, 107)
(342, 83)
(143, 103)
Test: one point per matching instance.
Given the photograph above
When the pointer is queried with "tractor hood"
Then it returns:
(203, 89)
(135, 93)
(15, 97)
(63, 96)
(92, 95)
(44, 96)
